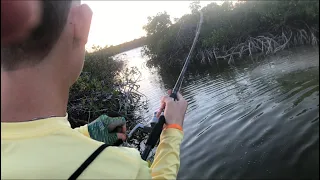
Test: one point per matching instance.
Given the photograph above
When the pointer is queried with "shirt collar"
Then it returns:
(10, 130)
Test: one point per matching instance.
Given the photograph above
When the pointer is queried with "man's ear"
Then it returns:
(82, 18)
(76, 32)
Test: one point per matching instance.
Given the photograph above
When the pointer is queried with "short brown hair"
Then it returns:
(42, 39)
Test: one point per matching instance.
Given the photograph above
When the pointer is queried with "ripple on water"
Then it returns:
(259, 123)
(249, 132)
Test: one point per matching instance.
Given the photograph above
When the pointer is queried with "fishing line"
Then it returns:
(157, 128)
(156, 125)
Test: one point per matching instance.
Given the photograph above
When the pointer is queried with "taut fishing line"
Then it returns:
(155, 125)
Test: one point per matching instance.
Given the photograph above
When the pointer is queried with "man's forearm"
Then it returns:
(167, 158)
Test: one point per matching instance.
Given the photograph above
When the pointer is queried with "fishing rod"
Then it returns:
(157, 126)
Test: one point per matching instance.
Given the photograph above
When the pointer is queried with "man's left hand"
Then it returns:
(102, 129)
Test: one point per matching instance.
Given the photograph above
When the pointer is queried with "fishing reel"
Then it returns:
(140, 134)
(146, 128)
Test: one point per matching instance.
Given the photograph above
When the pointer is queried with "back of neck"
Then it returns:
(25, 96)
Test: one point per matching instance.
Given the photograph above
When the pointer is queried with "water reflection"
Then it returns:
(250, 121)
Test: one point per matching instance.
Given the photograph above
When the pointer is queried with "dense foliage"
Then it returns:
(231, 31)
(105, 86)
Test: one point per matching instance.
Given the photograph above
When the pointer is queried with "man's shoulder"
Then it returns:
(112, 152)
(125, 152)
(114, 162)
(117, 162)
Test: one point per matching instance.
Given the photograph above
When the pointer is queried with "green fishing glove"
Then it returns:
(102, 129)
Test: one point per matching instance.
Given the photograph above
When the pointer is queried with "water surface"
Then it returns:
(258, 120)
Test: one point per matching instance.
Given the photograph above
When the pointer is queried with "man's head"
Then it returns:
(56, 46)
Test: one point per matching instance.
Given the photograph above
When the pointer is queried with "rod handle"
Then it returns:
(174, 96)
(153, 137)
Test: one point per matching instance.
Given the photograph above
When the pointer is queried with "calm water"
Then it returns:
(256, 121)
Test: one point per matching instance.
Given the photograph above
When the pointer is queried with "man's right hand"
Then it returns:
(174, 111)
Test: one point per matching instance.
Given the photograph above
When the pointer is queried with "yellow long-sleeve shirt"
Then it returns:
(51, 149)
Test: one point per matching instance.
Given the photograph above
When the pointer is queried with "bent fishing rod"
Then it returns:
(157, 127)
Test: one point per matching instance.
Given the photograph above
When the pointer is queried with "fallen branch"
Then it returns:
(263, 45)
